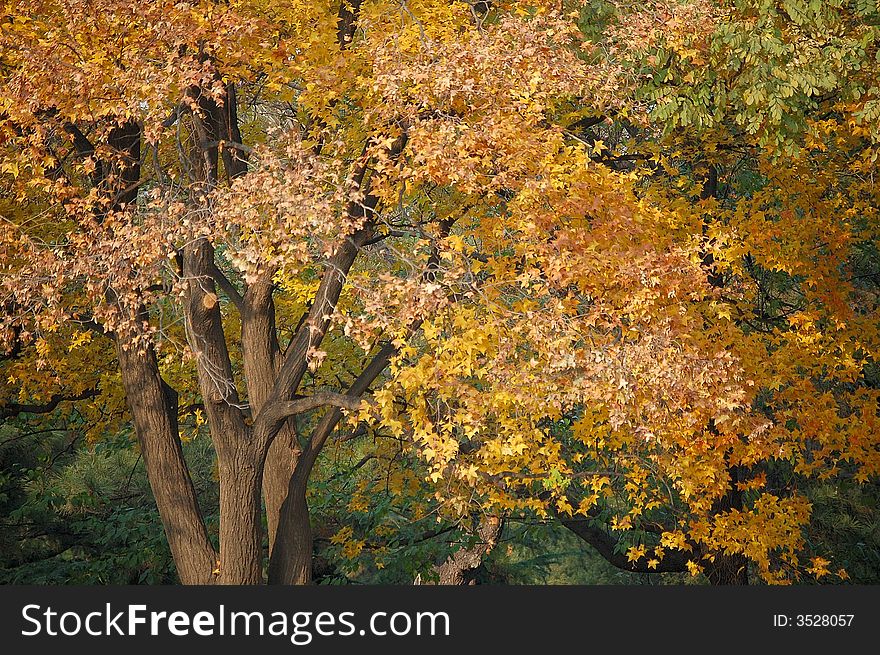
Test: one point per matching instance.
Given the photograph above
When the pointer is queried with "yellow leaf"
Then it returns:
(636, 553)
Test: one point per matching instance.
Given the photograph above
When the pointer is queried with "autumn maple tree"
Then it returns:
(609, 262)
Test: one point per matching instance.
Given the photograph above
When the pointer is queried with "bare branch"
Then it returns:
(288, 408)
(14, 409)
(226, 285)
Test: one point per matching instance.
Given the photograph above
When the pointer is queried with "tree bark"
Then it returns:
(261, 355)
(241, 544)
(153, 406)
(153, 403)
(240, 460)
(291, 560)
(456, 569)
(281, 460)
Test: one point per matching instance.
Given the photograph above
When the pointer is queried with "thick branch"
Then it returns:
(347, 21)
(673, 561)
(312, 332)
(175, 114)
(457, 568)
(82, 145)
(586, 123)
(286, 409)
(290, 559)
(291, 556)
(364, 380)
(371, 371)
(14, 409)
(85, 149)
(230, 144)
(226, 285)
(234, 151)
(208, 342)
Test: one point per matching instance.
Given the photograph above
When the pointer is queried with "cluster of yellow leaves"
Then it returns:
(349, 546)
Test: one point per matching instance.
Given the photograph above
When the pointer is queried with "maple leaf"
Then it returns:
(635, 553)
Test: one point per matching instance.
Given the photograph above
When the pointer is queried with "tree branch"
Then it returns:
(382, 237)
(84, 147)
(174, 115)
(673, 561)
(14, 409)
(328, 423)
(586, 123)
(288, 408)
(346, 23)
(312, 332)
(230, 144)
(226, 285)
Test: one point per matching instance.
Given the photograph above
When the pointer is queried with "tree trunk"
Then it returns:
(239, 457)
(291, 560)
(241, 544)
(153, 406)
(261, 357)
(728, 570)
(280, 464)
(456, 569)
